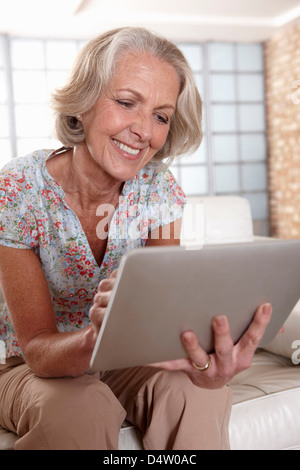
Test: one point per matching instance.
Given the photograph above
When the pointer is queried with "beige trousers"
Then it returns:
(86, 412)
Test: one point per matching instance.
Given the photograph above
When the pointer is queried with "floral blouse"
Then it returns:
(33, 215)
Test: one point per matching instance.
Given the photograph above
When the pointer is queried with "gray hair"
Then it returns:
(92, 72)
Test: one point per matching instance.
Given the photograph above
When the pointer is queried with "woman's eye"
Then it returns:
(162, 119)
(124, 103)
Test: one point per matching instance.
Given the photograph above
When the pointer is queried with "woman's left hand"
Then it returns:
(101, 299)
(228, 359)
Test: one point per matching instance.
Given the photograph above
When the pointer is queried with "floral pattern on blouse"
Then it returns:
(33, 215)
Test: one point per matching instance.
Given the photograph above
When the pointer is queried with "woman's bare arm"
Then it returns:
(47, 351)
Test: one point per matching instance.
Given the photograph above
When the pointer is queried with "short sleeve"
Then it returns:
(166, 200)
(18, 228)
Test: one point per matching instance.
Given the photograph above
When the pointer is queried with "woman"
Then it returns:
(130, 105)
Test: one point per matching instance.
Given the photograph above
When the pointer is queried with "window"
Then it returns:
(6, 150)
(232, 158)
(230, 79)
(37, 68)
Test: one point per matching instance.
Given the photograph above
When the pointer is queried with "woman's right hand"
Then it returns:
(228, 359)
(101, 299)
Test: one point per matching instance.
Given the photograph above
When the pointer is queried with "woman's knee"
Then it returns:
(172, 385)
(184, 416)
(73, 413)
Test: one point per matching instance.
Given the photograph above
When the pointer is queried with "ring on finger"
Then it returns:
(202, 368)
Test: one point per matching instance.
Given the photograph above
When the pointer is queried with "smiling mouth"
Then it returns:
(125, 148)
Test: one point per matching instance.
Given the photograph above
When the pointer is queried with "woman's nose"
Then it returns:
(142, 126)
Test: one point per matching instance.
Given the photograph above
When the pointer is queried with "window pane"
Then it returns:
(224, 118)
(193, 54)
(4, 127)
(61, 54)
(250, 87)
(222, 87)
(5, 152)
(81, 44)
(204, 119)
(250, 57)
(3, 90)
(259, 205)
(32, 120)
(225, 148)
(194, 180)
(26, 146)
(198, 157)
(221, 56)
(199, 83)
(27, 54)
(175, 172)
(254, 177)
(29, 87)
(56, 80)
(252, 117)
(1, 52)
(227, 178)
(253, 147)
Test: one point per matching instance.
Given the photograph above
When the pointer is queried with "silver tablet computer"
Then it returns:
(160, 292)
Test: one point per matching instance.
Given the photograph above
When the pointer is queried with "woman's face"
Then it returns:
(131, 120)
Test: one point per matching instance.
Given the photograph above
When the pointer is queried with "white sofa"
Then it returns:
(266, 397)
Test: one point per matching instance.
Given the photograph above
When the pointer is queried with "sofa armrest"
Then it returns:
(287, 344)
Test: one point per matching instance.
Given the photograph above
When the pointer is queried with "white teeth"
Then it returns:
(126, 148)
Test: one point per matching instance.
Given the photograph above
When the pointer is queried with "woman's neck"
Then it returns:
(84, 183)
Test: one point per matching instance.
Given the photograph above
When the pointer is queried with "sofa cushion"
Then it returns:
(130, 438)
(266, 404)
(7, 439)
(216, 219)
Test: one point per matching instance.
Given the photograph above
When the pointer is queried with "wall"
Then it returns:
(282, 63)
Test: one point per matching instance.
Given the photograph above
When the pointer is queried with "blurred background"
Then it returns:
(245, 55)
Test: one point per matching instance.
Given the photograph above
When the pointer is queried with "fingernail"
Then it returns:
(267, 309)
(219, 320)
(187, 337)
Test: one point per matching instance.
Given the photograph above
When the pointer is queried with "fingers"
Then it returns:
(228, 358)
(107, 284)
(205, 370)
(101, 300)
(257, 328)
(223, 345)
(254, 334)
(96, 314)
(193, 349)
